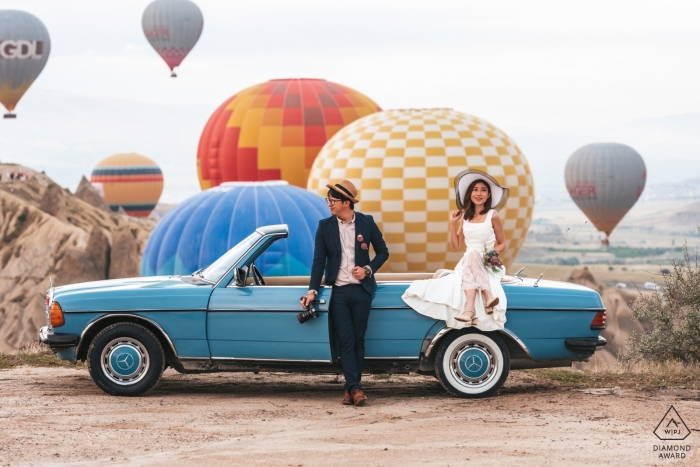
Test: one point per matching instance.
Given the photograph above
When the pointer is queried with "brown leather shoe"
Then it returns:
(359, 397)
(347, 399)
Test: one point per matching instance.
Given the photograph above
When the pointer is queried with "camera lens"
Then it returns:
(306, 315)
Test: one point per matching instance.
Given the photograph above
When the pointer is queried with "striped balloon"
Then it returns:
(275, 130)
(129, 181)
(199, 230)
(173, 28)
(24, 50)
(605, 180)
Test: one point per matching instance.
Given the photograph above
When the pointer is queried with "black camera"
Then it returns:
(307, 314)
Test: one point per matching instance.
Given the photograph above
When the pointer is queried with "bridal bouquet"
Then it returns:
(492, 261)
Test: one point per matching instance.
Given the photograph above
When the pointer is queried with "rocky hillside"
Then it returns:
(47, 232)
(620, 321)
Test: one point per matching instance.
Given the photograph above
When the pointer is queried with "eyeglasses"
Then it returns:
(331, 201)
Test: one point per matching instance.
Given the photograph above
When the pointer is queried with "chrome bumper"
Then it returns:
(57, 341)
(585, 344)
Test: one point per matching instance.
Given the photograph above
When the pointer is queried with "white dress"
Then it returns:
(444, 298)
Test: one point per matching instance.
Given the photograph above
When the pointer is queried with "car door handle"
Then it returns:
(318, 301)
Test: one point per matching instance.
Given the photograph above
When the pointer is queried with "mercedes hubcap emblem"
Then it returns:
(125, 361)
(473, 363)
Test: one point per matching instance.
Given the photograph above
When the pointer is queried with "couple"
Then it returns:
(342, 250)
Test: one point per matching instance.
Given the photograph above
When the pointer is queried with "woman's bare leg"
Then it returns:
(489, 301)
(468, 315)
(469, 308)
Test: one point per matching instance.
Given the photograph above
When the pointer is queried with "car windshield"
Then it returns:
(218, 268)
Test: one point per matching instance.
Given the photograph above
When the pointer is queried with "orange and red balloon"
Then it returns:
(275, 130)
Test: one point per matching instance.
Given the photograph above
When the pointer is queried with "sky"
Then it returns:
(553, 75)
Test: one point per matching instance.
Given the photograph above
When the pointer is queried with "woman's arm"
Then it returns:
(497, 224)
(456, 239)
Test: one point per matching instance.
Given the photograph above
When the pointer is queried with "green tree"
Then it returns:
(674, 313)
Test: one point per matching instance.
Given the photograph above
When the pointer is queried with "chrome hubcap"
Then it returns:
(125, 361)
(472, 364)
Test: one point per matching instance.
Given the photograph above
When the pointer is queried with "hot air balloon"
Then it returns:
(173, 28)
(24, 50)
(404, 163)
(605, 180)
(129, 181)
(274, 130)
(197, 231)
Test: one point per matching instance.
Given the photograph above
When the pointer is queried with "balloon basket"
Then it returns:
(9, 115)
(173, 75)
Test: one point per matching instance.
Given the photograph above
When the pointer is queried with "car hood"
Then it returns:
(133, 294)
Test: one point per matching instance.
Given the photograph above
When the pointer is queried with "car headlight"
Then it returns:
(57, 318)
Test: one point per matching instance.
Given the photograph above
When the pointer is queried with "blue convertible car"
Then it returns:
(227, 317)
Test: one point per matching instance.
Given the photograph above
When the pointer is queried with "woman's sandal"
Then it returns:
(488, 306)
(463, 317)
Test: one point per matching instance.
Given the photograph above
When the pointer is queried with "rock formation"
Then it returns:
(46, 232)
(87, 193)
(620, 321)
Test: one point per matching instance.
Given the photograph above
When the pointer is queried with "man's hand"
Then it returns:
(305, 301)
(359, 273)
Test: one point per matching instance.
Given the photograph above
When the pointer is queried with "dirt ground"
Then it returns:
(56, 416)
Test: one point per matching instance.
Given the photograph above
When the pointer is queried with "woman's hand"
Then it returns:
(456, 235)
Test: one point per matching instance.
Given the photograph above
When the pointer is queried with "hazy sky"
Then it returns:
(540, 70)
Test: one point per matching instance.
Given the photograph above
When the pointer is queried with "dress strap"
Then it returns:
(489, 215)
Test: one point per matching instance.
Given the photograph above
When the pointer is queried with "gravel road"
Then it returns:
(57, 417)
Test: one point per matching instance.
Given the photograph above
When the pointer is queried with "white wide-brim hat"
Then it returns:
(499, 194)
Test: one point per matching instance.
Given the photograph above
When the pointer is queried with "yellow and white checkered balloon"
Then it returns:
(403, 163)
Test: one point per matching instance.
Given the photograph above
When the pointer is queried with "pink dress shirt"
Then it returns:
(347, 245)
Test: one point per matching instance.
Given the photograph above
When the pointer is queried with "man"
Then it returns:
(342, 249)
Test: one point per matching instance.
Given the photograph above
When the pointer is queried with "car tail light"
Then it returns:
(57, 318)
(599, 321)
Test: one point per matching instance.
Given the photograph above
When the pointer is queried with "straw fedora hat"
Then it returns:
(499, 194)
(345, 188)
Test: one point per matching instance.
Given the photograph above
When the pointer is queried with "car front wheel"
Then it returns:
(471, 364)
(126, 359)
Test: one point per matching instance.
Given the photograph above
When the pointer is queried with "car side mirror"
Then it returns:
(239, 276)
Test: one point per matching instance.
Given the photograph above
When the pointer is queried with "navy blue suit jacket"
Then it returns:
(328, 251)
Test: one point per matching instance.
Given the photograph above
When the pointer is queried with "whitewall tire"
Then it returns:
(470, 363)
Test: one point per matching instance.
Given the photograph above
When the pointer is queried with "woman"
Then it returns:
(473, 295)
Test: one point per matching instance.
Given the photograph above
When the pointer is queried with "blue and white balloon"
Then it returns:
(199, 230)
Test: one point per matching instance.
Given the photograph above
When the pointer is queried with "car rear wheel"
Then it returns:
(471, 364)
(126, 359)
